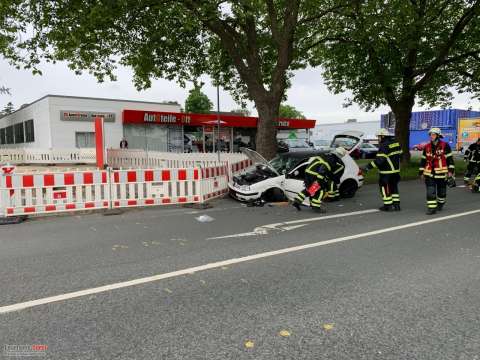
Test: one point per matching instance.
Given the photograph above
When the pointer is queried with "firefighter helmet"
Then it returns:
(435, 130)
(383, 132)
(340, 152)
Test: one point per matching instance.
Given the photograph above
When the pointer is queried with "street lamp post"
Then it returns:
(218, 121)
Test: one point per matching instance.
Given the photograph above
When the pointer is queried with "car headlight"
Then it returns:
(244, 187)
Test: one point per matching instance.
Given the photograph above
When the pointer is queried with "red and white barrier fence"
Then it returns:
(30, 194)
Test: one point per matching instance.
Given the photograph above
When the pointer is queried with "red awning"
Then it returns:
(172, 118)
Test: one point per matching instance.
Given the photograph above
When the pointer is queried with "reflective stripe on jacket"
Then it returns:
(387, 160)
(437, 160)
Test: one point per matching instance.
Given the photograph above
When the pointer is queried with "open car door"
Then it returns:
(294, 180)
(350, 140)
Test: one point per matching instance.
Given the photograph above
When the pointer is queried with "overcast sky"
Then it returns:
(308, 93)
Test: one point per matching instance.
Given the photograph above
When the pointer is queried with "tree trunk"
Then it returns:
(266, 139)
(403, 113)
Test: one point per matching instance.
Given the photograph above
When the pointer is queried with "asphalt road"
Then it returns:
(373, 285)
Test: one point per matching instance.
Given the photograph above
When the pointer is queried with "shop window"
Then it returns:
(3, 139)
(85, 139)
(29, 131)
(19, 133)
(9, 134)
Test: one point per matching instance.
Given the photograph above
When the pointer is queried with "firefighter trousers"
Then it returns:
(388, 184)
(471, 170)
(436, 191)
(316, 199)
(333, 193)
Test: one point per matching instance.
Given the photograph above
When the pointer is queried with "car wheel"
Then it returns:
(348, 188)
(274, 195)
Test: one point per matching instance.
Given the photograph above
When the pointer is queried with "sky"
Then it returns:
(308, 92)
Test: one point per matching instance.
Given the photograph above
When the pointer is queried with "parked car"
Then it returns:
(282, 177)
(321, 145)
(367, 151)
(419, 147)
(291, 145)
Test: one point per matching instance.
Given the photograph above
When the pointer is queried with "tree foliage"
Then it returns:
(8, 109)
(290, 112)
(197, 101)
(401, 51)
(249, 47)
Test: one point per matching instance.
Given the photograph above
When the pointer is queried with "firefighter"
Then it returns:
(387, 161)
(472, 157)
(436, 164)
(476, 184)
(322, 176)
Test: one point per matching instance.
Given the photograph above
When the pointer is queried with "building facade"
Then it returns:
(66, 122)
(328, 131)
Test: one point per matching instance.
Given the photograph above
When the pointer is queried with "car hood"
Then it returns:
(256, 158)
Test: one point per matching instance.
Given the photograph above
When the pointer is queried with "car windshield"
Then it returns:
(284, 163)
(368, 146)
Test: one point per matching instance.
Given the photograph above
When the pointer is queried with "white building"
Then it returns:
(66, 122)
(328, 131)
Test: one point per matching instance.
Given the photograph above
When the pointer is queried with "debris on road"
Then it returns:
(284, 333)
(249, 344)
(204, 218)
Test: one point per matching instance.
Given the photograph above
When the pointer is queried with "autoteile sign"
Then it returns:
(184, 119)
(72, 115)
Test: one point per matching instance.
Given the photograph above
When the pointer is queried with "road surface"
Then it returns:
(253, 283)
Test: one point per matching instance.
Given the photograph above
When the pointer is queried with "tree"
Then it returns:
(249, 47)
(398, 52)
(8, 109)
(4, 90)
(197, 101)
(241, 111)
(289, 112)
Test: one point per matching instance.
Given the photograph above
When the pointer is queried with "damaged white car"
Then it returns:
(282, 177)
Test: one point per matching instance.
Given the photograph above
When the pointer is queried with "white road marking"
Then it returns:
(219, 264)
(286, 226)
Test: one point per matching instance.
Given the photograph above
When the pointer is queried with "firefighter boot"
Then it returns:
(319, 209)
(386, 208)
(297, 205)
(431, 211)
(397, 207)
(440, 207)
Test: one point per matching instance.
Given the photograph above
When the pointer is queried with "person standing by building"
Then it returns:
(436, 164)
(319, 175)
(124, 144)
(472, 157)
(387, 161)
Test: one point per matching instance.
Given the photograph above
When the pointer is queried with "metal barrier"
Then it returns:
(23, 194)
(47, 156)
(56, 192)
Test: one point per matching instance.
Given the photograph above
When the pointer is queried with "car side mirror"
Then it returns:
(296, 173)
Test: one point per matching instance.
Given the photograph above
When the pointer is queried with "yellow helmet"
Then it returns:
(383, 132)
(435, 130)
(340, 152)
